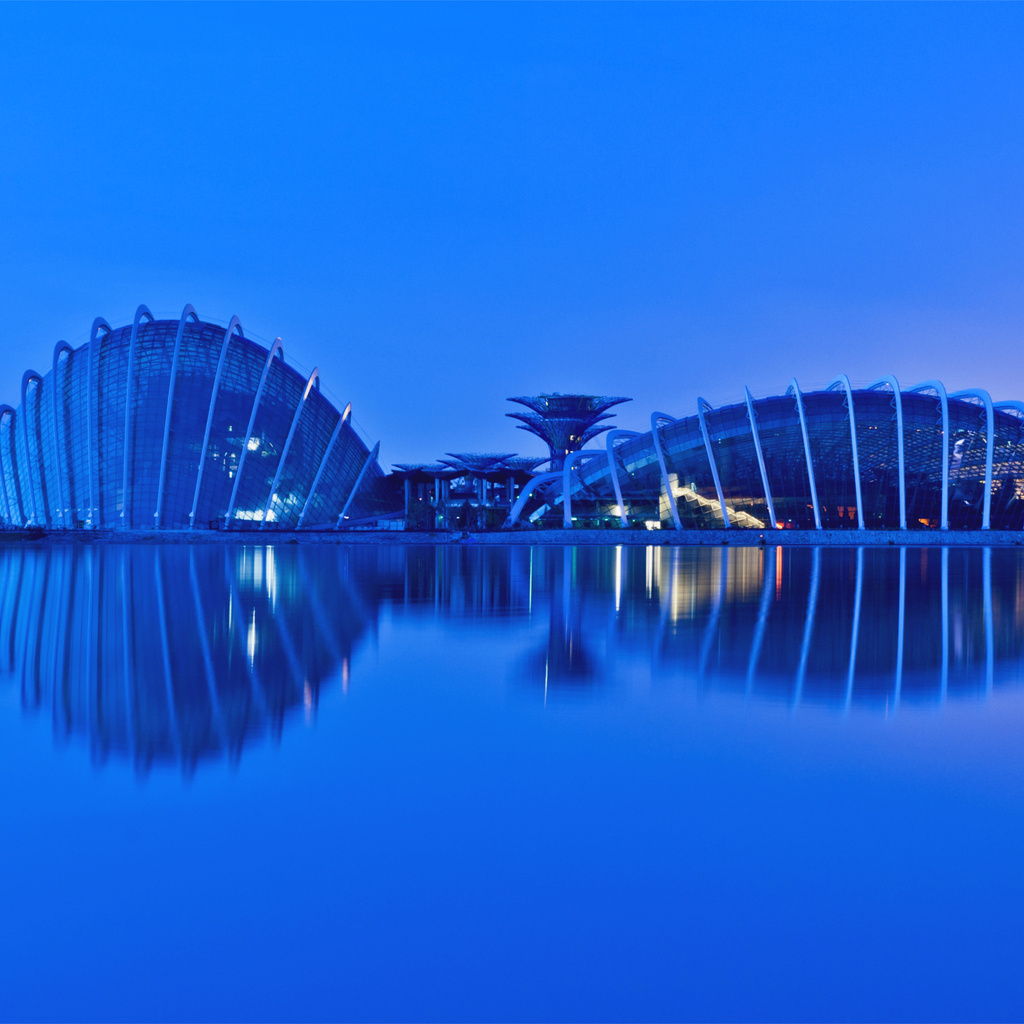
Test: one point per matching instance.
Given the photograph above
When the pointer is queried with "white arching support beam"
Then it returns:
(990, 439)
(235, 325)
(524, 494)
(570, 460)
(26, 378)
(60, 448)
(656, 419)
(142, 311)
(844, 382)
(1012, 408)
(613, 468)
(939, 388)
(702, 404)
(314, 378)
(187, 313)
(370, 459)
(275, 350)
(95, 351)
(891, 382)
(799, 399)
(323, 463)
(8, 412)
(752, 416)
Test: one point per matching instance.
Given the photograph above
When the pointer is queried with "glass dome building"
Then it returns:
(873, 457)
(176, 424)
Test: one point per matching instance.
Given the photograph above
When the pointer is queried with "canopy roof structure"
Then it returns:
(565, 423)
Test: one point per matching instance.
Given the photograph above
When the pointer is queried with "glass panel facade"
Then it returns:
(67, 462)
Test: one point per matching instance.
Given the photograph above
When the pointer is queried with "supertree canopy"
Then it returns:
(565, 423)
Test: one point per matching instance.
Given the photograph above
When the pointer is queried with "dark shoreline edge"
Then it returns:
(578, 538)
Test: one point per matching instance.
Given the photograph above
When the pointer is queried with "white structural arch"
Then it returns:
(355, 487)
(613, 469)
(524, 494)
(323, 463)
(891, 382)
(9, 412)
(275, 350)
(570, 460)
(656, 419)
(990, 431)
(940, 390)
(95, 351)
(232, 327)
(314, 378)
(60, 447)
(187, 313)
(142, 311)
(752, 415)
(703, 404)
(799, 399)
(844, 382)
(26, 379)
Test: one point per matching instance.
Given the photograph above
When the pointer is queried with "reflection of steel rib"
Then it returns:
(805, 646)
(768, 577)
(204, 646)
(855, 631)
(165, 650)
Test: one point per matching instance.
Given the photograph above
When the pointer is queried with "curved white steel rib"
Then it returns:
(313, 377)
(656, 418)
(799, 399)
(702, 404)
(844, 382)
(26, 378)
(235, 325)
(752, 416)
(323, 463)
(524, 494)
(571, 458)
(275, 349)
(9, 411)
(355, 487)
(95, 351)
(894, 384)
(59, 447)
(186, 314)
(939, 388)
(613, 469)
(142, 311)
(990, 431)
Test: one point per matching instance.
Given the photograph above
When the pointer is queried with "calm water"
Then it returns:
(495, 783)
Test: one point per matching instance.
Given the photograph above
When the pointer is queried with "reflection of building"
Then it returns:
(875, 457)
(179, 423)
(95, 636)
(181, 655)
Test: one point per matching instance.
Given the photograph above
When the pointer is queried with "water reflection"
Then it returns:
(177, 654)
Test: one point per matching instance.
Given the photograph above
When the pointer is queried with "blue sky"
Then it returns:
(442, 206)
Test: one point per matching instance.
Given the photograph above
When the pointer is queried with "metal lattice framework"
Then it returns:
(872, 457)
(175, 424)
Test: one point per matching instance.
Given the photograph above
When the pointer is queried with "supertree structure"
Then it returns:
(565, 423)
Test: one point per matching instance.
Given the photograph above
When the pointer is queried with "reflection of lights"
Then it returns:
(618, 576)
(778, 572)
(250, 643)
(344, 675)
(271, 576)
